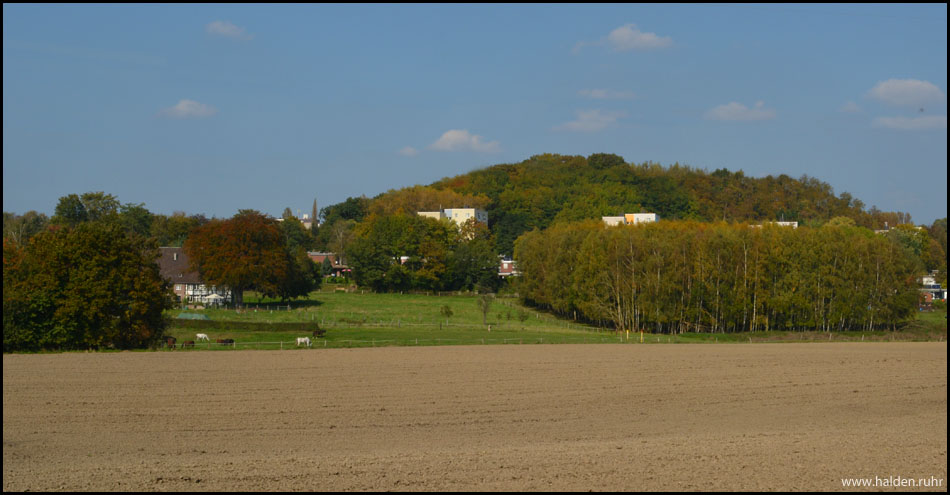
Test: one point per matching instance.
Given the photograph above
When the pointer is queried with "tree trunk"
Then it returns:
(237, 297)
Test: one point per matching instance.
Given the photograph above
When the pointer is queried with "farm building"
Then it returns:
(187, 284)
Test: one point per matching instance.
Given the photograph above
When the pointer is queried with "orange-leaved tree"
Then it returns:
(247, 251)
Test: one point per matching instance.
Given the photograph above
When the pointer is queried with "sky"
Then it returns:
(213, 108)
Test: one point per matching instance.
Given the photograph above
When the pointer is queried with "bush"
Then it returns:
(224, 325)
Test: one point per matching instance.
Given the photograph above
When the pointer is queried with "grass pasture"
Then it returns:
(373, 320)
(370, 320)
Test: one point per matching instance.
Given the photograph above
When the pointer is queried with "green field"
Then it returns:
(366, 319)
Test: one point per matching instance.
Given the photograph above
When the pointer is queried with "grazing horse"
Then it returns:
(319, 332)
(170, 342)
(303, 340)
(202, 336)
(188, 343)
(225, 341)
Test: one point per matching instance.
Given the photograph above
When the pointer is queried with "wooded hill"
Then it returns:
(549, 188)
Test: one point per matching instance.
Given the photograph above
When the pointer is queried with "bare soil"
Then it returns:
(527, 418)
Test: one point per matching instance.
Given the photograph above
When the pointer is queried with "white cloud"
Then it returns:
(228, 30)
(606, 94)
(409, 151)
(186, 109)
(461, 140)
(850, 107)
(911, 124)
(591, 121)
(738, 111)
(907, 92)
(628, 37)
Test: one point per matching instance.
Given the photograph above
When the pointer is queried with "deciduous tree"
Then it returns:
(247, 251)
(83, 287)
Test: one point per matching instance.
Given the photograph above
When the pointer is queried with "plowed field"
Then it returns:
(518, 417)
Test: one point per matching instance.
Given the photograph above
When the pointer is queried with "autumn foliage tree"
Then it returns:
(249, 252)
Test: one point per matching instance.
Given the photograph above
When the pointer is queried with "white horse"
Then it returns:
(202, 336)
(303, 340)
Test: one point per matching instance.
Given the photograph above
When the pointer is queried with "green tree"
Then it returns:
(70, 211)
(446, 311)
(297, 236)
(314, 220)
(173, 230)
(484, 304)
(400, 252)
(20, 228)
(605, 160)
(303, 276)
(841, 222)
(83, 287)
(326, 268)
(136, 218)
(339, 235)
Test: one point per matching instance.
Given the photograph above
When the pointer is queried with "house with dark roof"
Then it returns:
(339, 269)
(187, 284)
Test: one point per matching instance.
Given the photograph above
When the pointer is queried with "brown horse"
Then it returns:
(188, 343)
(170, 342)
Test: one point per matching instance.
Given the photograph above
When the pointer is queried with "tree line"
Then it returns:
(687, 276)
(88, 277)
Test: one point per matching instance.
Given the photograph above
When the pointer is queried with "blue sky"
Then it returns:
(215, 108)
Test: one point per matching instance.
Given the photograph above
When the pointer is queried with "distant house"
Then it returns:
(460, 215)
(507, 267)
(930, 289)
(793, 225)
(611, 221)
(339, 269)
(305, 220)
(187, 284)
(630, 219)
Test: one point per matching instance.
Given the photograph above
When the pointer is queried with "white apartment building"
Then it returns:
(460, 215)
(630, 219)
